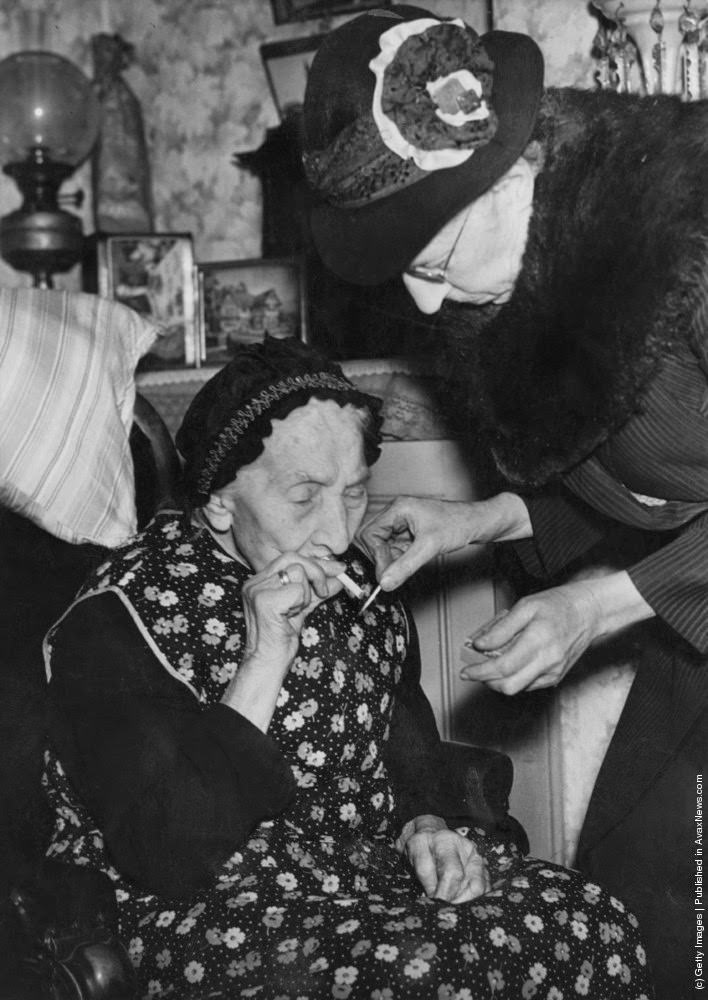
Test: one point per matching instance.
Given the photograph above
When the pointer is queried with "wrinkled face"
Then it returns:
(306, 491)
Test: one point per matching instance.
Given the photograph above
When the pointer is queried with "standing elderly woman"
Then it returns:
(252, 761)
(565, 234)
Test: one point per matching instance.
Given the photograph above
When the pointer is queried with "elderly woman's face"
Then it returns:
(307, 491)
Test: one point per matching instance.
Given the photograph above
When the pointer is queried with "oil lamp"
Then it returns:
(49, 122)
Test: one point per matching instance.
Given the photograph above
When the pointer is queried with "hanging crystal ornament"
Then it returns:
(607, 47)
(658, 51)
(623, 54)
(632, 63)
(703, 57)
(688, 54)
(601, 55)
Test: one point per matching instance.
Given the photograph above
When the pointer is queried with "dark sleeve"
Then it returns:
(674, 582)
(39, 577)
(419, 775)
(672, 578)
(564, 529)
(174, 786)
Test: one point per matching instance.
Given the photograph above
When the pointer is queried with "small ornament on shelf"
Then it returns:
(122, 199)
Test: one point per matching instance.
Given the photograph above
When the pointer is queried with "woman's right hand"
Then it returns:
(410, 531)
(276, 602)
(447, 865)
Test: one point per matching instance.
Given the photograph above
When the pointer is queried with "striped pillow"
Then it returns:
(67, 364)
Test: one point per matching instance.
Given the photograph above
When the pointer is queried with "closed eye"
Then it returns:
(356, 493)
(303, 494)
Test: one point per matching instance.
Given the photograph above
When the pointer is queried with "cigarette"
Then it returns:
(372, 597)
(352, 588)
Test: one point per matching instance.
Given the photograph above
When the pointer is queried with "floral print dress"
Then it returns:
(318, 903)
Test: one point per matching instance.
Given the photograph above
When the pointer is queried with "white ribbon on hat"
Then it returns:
(427, 159)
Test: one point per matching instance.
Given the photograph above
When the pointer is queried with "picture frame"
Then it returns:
(286, 64)
(242, 300)
(289, 11)
(155, 274)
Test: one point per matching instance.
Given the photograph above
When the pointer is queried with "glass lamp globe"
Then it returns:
(49, 122)
(47, 103)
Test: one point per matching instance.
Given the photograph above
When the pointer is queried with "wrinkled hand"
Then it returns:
(275, 613)
(409, 532)
(447, 865)
(535, 643)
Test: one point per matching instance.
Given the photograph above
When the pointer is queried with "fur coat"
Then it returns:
(613, 273)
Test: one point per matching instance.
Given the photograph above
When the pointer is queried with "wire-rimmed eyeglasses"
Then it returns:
(437, 275)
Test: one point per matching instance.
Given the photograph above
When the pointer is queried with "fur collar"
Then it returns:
(611, 276)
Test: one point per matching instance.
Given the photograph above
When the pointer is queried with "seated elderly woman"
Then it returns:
(251, 760)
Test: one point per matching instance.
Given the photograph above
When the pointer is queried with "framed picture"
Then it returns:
(154, 273)
(287, 11)
(242, 300)
(287, 64)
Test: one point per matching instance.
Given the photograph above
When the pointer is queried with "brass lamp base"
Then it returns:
(41, 242)
(40, 237)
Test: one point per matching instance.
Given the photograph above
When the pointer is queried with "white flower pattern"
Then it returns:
(317, 903)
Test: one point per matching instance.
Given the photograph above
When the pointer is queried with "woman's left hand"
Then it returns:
(535, 643)
(448, 865)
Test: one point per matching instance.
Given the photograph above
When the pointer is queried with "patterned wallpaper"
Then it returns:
(564, 29)
(199, 78)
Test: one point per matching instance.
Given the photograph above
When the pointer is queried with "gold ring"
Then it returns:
(283, 577)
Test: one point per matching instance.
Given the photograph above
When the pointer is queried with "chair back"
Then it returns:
(155, 461)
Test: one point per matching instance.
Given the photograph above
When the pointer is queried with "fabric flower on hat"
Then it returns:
(429, 109)
(431, 99)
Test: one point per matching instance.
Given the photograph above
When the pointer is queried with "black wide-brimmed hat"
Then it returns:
(409, 117)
